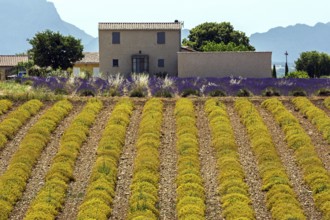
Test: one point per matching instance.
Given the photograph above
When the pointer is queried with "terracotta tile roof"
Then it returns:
(141, 26)
(12, 60)
(90, 58)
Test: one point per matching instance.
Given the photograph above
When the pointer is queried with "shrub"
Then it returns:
(271, 92)
(190, 92)
(298, 92)
(217, 93)
(244, 93)
(298, 74)
(323, 92)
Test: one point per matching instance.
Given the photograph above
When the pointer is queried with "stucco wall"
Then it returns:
(131, 42)
(221, 64)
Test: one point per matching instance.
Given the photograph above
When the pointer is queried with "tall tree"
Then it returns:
(274, 75)
(286, 69)
(217, 33)
(316, 64)
(50, 49)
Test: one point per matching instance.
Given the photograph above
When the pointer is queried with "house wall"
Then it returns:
(221, 64)
(134, 41)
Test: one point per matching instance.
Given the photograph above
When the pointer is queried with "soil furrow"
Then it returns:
(208, 165)
(321, 146)
(319, 103)
(168, 159)
(84, 164)
(13, 108)
(249, 164)
(125, 168)
(37, 179)
(295, 174)
(12, 145)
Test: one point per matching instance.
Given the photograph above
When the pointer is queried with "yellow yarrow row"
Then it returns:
(233, 191)
(315, 115)
(13, 181)
(276, 183)
(50, 198)
(15, 119)
(315, 175)
(190, 193)
(326, 102)
(5, 105)
(144, 188)
(101, 189)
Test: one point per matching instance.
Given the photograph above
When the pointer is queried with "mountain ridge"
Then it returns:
(294, 39)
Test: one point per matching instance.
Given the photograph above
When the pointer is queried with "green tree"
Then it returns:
(50, 49)
(298, 74)
(316, 64)
(286, 69)
(217, 33)
(274, 75)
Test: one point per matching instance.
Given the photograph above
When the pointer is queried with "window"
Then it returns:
(115, 37)
(115, 63)
(160, 37)
(161, 63)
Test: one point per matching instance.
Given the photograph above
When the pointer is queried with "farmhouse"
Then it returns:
(156, 48)
(89, 63)
(8, 62)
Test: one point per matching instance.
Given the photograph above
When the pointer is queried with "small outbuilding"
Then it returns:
(8, 62)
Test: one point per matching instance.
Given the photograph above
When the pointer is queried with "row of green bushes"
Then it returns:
(280, 197)
(190, 193)
(102, 184)
(144, 200)
(315, 175)
(51, 196)
(233, 191)
(5, 105)
(15, 119)
(14, 180)
(317, 116)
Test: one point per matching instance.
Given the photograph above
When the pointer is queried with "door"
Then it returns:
(140, 63)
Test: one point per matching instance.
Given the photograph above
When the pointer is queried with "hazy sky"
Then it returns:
(248, 16)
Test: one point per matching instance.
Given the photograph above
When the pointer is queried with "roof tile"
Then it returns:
(12, 60)
(141, 26)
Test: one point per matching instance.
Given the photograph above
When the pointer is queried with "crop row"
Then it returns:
(233, 190)
(14, 180)
(190, 194)
(51, 197)
(15, 119)
(315, 175)
(315, 115)
(5, 105)
(144, 200)
(101, 189)
(281, 199)
(326, 102)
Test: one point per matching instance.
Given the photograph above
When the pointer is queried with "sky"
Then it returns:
(248, 16)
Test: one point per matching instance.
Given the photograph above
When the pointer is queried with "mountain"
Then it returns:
(293, 39)
(22, 19)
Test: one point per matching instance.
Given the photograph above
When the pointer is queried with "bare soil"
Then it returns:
(168, 169)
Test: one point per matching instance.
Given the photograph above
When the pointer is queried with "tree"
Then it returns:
(286, 69)
(316, 64)
(217, 33)
(274, 75)
(298, 74)
(50, 49)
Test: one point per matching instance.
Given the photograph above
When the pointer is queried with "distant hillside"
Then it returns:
(22, 19)
(294, 39)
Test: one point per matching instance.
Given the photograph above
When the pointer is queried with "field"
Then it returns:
(151, 158)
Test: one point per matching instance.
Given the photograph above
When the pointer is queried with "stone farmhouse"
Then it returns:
(156, 48)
